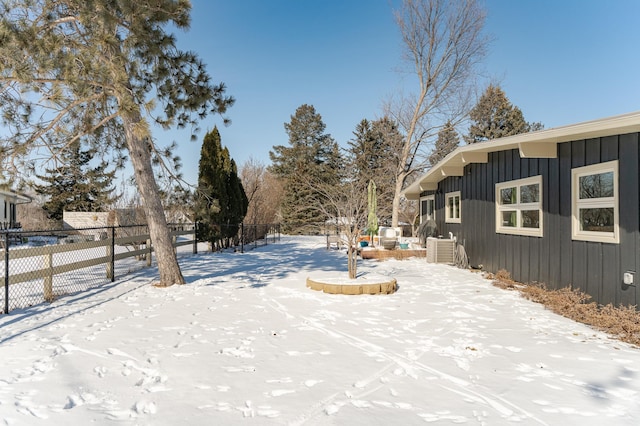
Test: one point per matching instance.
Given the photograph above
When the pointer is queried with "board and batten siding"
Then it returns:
(553, 259)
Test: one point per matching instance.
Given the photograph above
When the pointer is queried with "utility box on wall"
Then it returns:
(439, 250)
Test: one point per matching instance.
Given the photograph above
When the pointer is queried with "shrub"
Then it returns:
(622, 322)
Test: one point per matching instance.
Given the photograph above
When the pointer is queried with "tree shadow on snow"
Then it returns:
(74, 300)
(260, 266)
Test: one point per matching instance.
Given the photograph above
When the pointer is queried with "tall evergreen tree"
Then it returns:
(447, 141)
(366, 151)
(221, 202)
(235, 211)
(75, 185)
(101, 72)
(312, 155)
(494, 116)
(373, 155)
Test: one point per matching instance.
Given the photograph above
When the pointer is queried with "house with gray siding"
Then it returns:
(559, 206)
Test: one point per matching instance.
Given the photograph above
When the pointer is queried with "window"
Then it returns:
(594, 194)
(428, 208)
(452, 207)
(519, 207)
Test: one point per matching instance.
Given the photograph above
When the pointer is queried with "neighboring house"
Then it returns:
(558, 206)
(8, 202)
(80, 220)
(115, 217)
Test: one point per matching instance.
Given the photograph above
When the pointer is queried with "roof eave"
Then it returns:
(539, 144)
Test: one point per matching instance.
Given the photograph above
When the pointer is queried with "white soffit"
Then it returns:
(540, 144)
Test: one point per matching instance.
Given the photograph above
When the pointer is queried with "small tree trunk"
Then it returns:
(395, 207)
(141, 159)
(352, 256)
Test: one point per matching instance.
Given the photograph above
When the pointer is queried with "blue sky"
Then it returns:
(560, 62)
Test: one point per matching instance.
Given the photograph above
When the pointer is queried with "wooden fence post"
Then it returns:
(195, 238)
(149, 252)
(242, 237)
(110, 255)
(48, 277)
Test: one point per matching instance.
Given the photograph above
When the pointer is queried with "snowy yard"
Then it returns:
(245, 342)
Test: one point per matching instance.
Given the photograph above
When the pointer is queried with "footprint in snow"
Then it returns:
(118, 352)
(361, 404)
(280, 392)
(25, 406)
(332, 409)
(145, 407)
(404, 405)
(100, 371)
(282, 380)
(438, 417)
(267, 411)
(223, 406)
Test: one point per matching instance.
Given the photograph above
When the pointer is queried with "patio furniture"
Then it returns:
(334, 239)
(388, 238)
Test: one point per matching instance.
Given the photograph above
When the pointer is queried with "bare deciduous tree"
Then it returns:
(32, 216)
(264, 192)
(409, 213)
(346, 203)
(443, 42)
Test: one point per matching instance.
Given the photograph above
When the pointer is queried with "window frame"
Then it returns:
(519, 207)
(448, 218)
(602, 202)
(429, 198)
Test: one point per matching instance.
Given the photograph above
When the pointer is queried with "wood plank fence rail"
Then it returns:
(38, 267)
(30, 265)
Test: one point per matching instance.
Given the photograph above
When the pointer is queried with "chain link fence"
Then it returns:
(42, 266)
(256, 235)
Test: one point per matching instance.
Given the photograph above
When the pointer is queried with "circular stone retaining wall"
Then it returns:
(386, 287)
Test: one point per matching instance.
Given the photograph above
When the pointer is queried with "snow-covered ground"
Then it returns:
(246, 342)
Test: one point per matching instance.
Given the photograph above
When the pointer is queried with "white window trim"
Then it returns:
(519, 207)
(576, 204)
(449, 219)
(428, 198)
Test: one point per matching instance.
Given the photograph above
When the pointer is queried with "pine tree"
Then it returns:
(102, 72)
(495, 117)
(238, 201)
(374, 158)
(312, 156)
(179, 204)
(221, 202)
(364, 151)
(75, 185)
(447, 141)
